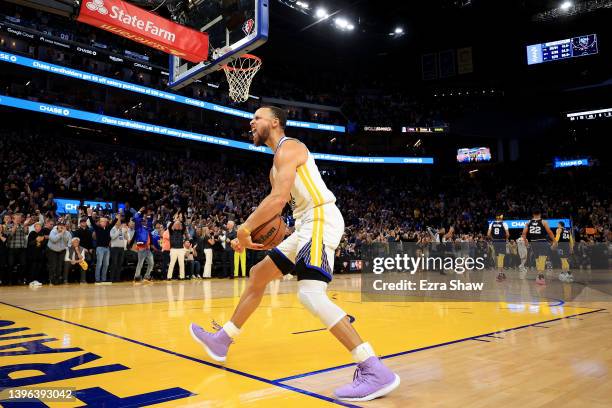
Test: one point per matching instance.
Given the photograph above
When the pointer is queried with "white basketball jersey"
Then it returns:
(308, 190)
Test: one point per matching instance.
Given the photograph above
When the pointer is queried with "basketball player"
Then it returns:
(498, 233)
(307, 253)
(564, 243)
(536, 231)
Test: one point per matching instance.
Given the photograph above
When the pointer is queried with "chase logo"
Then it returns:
(97, 5)
(71, 207)
(54, 110)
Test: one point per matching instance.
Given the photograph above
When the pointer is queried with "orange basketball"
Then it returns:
(270, 233)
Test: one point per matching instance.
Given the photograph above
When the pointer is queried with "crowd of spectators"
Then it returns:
(191, 204)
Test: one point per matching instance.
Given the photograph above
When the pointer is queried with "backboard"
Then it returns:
(234, 27)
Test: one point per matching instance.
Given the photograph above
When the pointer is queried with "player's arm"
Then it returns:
(548, 231)
(287, 160)
(558, 235)
(489, 231)
(524, 233)
(507, 231)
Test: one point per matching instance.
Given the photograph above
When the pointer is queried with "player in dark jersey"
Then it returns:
(564, 243)
(498, 233)
(537, 231)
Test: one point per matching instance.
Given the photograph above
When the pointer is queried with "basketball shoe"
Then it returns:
(372, 379)
(215, 344)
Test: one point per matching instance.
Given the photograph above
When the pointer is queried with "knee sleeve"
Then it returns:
(314, 297)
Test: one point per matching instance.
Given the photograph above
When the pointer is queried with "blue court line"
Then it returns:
(197, 360)
(495, 337)
(401, 353)
(486, 341)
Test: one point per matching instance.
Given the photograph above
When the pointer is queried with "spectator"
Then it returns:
(207, 243)
(142, 237)
(119, 242)
(74, 261)
(85, 236)
(102, 230)
(3, 247)
(230, 259)
(17, 243)
(165, 246)
(59, 239)
(177, 252)
(36, 254)
(192, 266)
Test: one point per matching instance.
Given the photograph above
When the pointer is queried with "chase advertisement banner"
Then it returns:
(67, 206)
(183, 134)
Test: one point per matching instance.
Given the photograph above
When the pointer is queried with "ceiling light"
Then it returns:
(321, 13)
(398, 30)
(341, 23)
(566, 5)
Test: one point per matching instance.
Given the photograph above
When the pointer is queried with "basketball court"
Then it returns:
(132, 342)
(129, 345)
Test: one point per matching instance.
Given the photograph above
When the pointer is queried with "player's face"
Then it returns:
(261, 125)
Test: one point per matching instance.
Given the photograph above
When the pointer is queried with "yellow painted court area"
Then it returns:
(282, 339)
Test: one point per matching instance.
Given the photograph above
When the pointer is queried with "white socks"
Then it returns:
(362, 352)
(231, 329)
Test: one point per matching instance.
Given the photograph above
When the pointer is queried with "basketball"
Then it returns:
(270, 233)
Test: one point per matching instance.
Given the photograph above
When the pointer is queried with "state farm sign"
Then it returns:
(139, 25)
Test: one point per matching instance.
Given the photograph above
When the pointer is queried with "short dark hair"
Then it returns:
(279, 114)
(561, 223)
(536, 211)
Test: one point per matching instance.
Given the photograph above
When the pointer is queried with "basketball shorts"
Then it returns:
(563, 248)
(309, 252)
(540, 248)
(499, 247)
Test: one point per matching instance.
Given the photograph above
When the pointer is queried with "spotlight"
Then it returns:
(303, 5)
(350, 27)
(321, 13)
(566, 5)
(341, 23)
(398, 30)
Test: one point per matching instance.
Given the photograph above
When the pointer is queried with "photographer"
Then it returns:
(59, 239)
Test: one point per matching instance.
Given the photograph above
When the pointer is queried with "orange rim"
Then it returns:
(247, 56)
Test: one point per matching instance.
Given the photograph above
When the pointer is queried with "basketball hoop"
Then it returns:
(240, 73)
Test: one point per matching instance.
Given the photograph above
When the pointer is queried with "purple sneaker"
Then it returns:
(215, 344)
(372, 379)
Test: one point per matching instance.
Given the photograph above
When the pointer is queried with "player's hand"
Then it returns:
(244, 239)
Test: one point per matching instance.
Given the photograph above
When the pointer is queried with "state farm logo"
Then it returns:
(97, 5)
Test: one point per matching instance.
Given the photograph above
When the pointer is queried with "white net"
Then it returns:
(240, 73)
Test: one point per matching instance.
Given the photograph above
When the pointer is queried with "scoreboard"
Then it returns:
(562, 49)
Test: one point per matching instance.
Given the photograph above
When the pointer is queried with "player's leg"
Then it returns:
(314, 265)
(540, 251)
(272, 267)
(500, 251)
